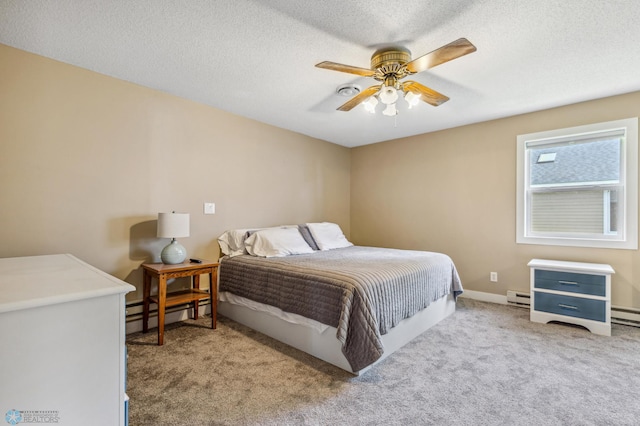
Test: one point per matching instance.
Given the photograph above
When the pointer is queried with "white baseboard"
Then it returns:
(485, 297)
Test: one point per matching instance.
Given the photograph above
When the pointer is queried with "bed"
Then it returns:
(352, 306)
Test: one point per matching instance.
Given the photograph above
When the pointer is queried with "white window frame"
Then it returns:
(627, 237)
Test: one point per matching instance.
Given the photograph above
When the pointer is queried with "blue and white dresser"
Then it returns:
(572, 292)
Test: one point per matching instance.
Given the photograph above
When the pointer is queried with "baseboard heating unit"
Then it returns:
(518, 298)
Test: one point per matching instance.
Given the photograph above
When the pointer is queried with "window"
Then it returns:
(578, 186)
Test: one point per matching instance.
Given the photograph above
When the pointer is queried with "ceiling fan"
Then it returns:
(389, 65)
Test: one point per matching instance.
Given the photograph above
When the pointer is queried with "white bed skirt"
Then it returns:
(325, 345)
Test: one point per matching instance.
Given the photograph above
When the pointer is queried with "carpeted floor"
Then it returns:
(485, 365)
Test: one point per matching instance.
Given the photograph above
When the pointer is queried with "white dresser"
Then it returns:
(62, 328)
(572, 292)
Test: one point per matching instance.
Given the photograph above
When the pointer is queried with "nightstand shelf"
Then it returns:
(572, 292)
(181, 297)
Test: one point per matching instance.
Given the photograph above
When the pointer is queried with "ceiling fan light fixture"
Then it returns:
(370, 104)
(388, 95)
(390, 110)
(412, 99)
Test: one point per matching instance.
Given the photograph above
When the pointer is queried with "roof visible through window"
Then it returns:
(594, 161)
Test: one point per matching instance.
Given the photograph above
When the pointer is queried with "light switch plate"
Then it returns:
(209, 208)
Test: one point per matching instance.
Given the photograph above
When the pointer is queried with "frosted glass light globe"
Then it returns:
(388, 95)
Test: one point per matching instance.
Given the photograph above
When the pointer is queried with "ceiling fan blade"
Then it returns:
(427, 95)
(359, 98)
(346, 68)
(446, 53)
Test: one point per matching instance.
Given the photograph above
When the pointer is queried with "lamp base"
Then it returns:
(173, 253)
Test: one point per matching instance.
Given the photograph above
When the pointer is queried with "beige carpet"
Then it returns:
(486, 365)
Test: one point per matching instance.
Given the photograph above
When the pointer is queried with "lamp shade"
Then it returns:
(390, 110)
(412, 99)
(388, 95)
(173, 225)
(370, 104)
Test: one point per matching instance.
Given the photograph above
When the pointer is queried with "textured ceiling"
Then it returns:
(256, 58)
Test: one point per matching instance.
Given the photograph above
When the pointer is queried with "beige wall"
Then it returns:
(454, 191)
(87, 162)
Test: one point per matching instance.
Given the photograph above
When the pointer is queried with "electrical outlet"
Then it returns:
(493, 276)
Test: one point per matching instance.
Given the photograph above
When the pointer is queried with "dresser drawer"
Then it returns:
(570, 306)
(571, 282)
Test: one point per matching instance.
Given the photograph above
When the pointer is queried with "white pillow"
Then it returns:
(328, 236)
(277, 242)
(232, 241)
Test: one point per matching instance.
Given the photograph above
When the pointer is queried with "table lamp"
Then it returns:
(173, 225)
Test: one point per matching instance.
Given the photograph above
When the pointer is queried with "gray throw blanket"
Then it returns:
(361, 291)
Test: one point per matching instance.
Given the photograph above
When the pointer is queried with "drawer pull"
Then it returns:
(568, 282)
(563, 306)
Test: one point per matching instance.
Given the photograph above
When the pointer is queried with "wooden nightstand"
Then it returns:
(193, 295)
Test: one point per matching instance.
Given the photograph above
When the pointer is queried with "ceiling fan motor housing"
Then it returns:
(390, 56)
(389, 62)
